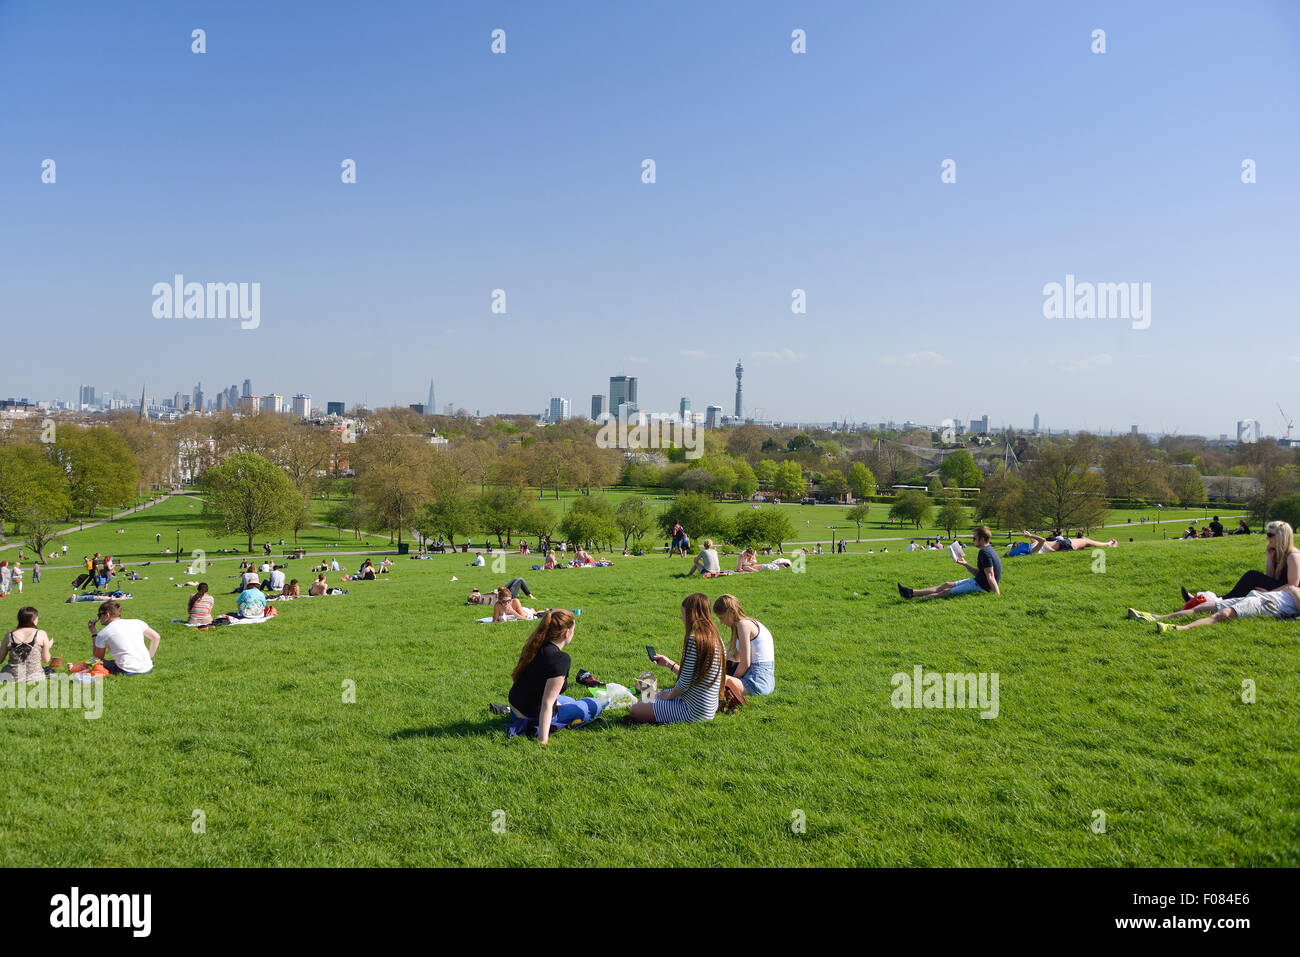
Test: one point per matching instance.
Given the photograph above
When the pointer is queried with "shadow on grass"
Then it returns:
(492, 727)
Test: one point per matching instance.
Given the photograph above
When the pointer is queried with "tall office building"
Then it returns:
(1035, 423)
(622, 392)
(197, 398)
(272, 403)
(559, 410)
(248, 387)
(178, 402)
(302, 405)
(249, 404)
(684, 408)
(713, 417)
(980, 426)
(333, 408)
(597, 407)
(740, 371)
(430, 407)
(86, 395)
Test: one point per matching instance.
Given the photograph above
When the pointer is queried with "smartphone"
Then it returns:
(650, 650)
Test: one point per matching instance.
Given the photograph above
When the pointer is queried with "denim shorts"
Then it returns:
(760, 678)
(965, 587)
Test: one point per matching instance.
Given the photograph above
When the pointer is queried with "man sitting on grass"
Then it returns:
(986, 572)
(125, 639)
(1281, 602)
(706, 561)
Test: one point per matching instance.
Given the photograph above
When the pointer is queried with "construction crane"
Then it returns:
(1287, 419)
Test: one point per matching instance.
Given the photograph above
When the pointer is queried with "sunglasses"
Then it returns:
(1272, 534)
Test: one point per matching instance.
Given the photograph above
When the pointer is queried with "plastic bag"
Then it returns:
(614, 695)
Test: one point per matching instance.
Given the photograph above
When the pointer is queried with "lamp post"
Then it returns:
(178, 545)
(832, 529)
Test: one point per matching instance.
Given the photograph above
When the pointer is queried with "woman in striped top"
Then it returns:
(698, 691)
(201, 606)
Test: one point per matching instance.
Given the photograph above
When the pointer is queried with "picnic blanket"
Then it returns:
(488, 619)
(234, 620)
(116, 596)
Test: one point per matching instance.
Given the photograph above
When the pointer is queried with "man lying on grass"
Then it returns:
(1063, 543)
(1281, 602)
(985, 573)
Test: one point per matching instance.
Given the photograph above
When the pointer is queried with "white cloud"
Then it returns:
(925, 358)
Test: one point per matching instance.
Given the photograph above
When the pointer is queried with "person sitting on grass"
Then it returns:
(27, 648)
(275, 582)
(1281, 565)
(1283, 602)
(580, 557)
(538, 704)
(751, 656)
(1190, 533)
(747, 561)
(200, 606)
(1062, 543)
(986, 573)
(699, 687)
(251, 603)
(319, 586)
(1241, 529)
(292, 590)
(125, 639)
(550, 562)
(706, 562)
(514, 586)
(507, 605)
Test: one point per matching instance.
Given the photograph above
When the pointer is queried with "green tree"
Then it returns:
(589, 520)
(501, 512)
(1287, 509)
(861, 482)
(696, 513)
(249, 494)
(834, 484)
(30, 484)
(765, 471)
(448, 515)
(98, 467)
(746, 481)
(951, 515)
(790, 483)
(1061, 490)
(858, 515)
(1001, 502)
(633, 519)
(960, 469)
(1186, 485)
(762, 527)
(911, 506)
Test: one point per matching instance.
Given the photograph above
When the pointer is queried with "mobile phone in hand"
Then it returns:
(650, 651)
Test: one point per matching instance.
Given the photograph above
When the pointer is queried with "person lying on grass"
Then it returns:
(514, 586)
(751, 656)
(1062, 543)
(200, 606)
(1281, 564)
(125, 639)
(538, 704)
(507, 604)
(1281, 602)
(986, 573)
(699, 687)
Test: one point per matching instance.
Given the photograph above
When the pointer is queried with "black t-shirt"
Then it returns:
(987, 559)
(1216, 529)
(526, 694)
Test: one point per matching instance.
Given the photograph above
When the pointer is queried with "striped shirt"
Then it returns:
(201, 610)
(693, 702)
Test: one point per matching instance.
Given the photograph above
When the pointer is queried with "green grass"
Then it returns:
(248, 725)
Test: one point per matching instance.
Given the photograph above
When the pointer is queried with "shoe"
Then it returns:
(1163, 627)
(588, 680)
(1141, 615)
(499, 709)
(1187, 596)
(904, 590)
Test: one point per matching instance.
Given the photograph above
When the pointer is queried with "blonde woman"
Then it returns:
(507, 605)
(1281, 565)
(699, 687)
(751, 656)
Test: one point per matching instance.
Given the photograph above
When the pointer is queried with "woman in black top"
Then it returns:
(538, 704)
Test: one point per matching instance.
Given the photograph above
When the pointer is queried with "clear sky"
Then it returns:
(775, 171)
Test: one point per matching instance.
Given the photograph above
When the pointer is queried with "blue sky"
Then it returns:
(775, 171)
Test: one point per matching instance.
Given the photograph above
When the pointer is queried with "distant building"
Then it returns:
(978, 426)
(417, 408)
(622, 392)
(740, 371)
(1133, 430)
(302, 405)
(272, 403)
(559, 410)
(1035, 423)
(684, 408)
(197, 398)
(86, 395)
(598, 407)
(713, 417)
(333, 408)
(249, 404)
(248, 387)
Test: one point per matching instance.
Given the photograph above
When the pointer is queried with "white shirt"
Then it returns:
(266, 568)
(334, 565)
(277, 578)
(250, 577)
(124, 641)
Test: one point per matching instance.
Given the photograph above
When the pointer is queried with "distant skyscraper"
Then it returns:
(1035, 423)
(430, 407)
(86, 395)
(333, 408)
(713, 417)
(622, 391)
(979, 426)
(684, 408)
(740, 371)
(178, 402)
(597, 407)
(302, 405)
(559, 410)
(197, 398)
(1133, 430)
(248, 387)
(417, 408)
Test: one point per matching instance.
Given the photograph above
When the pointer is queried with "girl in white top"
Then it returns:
(751, 656)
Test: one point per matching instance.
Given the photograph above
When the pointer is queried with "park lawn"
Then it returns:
(248, 725)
